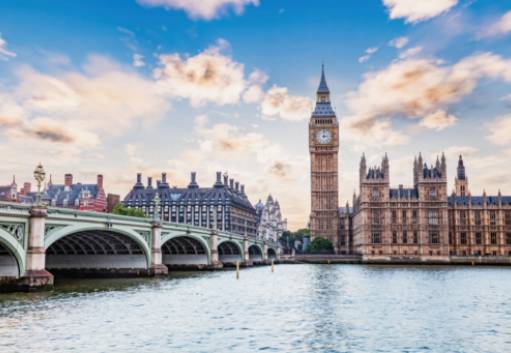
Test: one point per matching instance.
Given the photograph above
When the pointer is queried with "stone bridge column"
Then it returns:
(213, 245)
(265, 251)
(157, 267)
(279, 251)
(36, 277)
(246, 254)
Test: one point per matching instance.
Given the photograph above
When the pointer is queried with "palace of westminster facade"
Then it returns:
(422, 221)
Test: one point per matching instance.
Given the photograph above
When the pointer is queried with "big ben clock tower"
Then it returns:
(324, 148)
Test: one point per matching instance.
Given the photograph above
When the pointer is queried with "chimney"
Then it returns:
(237, 186)
(231, 183)
(26, 188)
(149, 182)
(139, 178)
(243, 189)
(226, 179)
(193, 180)
(100, 181)
(218, 182)
(68, 179)
(164, 178)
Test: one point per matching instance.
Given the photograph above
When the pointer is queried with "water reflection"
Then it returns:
(299, 308)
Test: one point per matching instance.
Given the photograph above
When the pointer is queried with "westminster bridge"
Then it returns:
(36, 240)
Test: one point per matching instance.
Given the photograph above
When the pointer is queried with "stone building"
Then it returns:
(270, 224)
(401, 221)
(85, 197)
(478, 225)
(9, 193)
(423, 221)
(224, 205)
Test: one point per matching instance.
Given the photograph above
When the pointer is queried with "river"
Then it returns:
(298, 308)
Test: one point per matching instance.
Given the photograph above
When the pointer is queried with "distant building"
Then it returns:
(112, 200)
(224, 205)
(270, 224)
(9, 192)
(86, 197)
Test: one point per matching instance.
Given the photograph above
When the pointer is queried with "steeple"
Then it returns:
(461, 180)
(323, 87)
(461, 169)
(323, 107)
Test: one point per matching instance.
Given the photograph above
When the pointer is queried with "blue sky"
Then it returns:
(175, 86)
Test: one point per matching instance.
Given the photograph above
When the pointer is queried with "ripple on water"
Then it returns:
(299, 308)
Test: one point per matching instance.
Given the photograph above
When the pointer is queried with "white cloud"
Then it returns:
(500, 27)
(500, 130)
(410, 53)
(417, 88)
(208, 77)
(79, 107)
(203, 9)
(367, 54)
(399, 42)
(438, 120)
(138, 60)
(415, 11)
(5, 53)
(278, 102)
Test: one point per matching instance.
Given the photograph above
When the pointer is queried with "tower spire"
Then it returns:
(323, 87)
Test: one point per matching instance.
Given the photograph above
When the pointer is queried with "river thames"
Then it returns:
(298, 308)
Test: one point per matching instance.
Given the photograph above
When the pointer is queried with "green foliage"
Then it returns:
(128, 211)
(320, 246)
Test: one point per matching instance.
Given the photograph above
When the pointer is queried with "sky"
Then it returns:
(151, 86)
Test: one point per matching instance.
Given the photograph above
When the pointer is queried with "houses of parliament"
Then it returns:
(418, 222)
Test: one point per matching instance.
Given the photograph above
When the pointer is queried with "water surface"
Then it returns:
(299, 308)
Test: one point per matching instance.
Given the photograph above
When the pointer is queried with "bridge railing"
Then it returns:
(12, 208)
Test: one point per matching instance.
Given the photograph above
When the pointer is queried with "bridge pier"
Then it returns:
(246, 254)
(157, 266)
(213, 245)
(36, 277)
(265, 252)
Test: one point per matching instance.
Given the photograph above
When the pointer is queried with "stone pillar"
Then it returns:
(279, 252)
(36, 277)
(265, 251)
(213, 245)
(157, 267)
(246, 254)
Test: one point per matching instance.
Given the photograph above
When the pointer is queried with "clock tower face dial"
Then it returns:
(324, 136)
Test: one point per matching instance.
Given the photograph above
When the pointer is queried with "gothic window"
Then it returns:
(403, 216)
(479, 238)
(414, 216)
(493, 238)
(463, 218)
(415, 238)
(405, 237)
(432, 194)
(493, 218)
(478, 218)
(507, 217)
(376, 217)
(463, 238)
(434, 238)
(394, 217)
(433, 217)
(450, 238)
(508, 238)
(375, 194)
(376, 238)
(394, 237)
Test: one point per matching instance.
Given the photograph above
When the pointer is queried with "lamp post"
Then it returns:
(157, 207)
(39, 175)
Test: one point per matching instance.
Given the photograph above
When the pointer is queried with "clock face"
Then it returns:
(324, 136)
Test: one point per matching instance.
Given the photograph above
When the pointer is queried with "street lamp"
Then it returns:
(157, 207)
(39, 175)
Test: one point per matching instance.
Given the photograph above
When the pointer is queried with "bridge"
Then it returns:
(36, 240)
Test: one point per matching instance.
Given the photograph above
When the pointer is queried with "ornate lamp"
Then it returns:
(157, 206)
(39, 175)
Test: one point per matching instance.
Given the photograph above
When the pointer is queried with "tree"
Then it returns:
(320, 246)
(128, 211)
